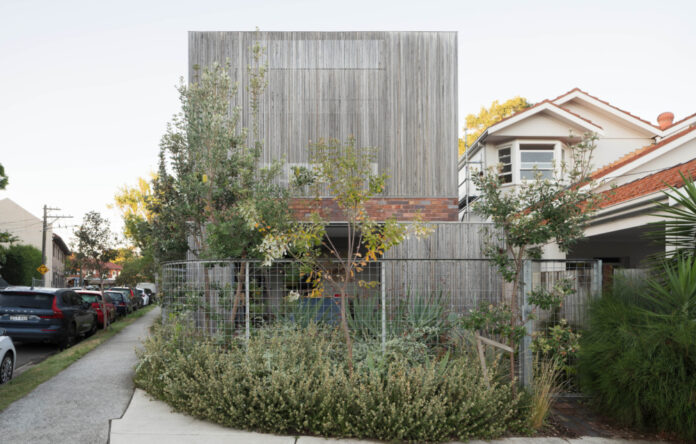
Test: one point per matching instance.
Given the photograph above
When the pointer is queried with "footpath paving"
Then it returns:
(76, 405)
(148, 421)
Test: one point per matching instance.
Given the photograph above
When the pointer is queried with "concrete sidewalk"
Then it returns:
(148, 421)
(76, 405)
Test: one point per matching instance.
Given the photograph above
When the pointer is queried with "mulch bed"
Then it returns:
(571, 417)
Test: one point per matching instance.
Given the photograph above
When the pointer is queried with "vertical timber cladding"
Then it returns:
(392, 90)
(454, 267)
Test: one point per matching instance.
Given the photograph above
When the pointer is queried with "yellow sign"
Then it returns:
(42, 269)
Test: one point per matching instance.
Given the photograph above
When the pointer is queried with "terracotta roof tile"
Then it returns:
(682, 120)
(649, 184)
(636, 154)
(608, 104)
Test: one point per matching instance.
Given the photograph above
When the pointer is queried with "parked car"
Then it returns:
(142, 295)
(122, 302)
(150, 290)
(137, 302)
(8, 357)
(55, 315)
(94, 298)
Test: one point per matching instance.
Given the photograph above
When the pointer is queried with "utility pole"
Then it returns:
(46, 209)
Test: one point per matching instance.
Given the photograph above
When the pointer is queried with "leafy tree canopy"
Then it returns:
(21, 262)
(477, 123)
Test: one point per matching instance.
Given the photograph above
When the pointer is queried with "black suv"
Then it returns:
(56, 315)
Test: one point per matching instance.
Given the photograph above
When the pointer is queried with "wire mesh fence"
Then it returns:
(386, 299)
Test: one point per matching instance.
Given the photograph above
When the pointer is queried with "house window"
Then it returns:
(535, 159)
(505, 161)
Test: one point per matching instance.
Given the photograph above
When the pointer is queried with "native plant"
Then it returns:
(638, 355)
(528, 216)
(343, 171)
(211, 184)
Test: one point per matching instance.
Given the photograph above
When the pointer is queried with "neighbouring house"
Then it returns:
(28, 229)
(635, 161)
(60, 253)
(90, 275)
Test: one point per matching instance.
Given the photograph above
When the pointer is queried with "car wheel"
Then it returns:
(70, 337)
(6, 368)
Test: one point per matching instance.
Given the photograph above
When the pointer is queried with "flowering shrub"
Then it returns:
(292, 380)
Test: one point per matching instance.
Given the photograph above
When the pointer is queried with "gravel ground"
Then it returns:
(77, 404)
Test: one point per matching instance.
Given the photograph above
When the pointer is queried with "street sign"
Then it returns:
(42, 269)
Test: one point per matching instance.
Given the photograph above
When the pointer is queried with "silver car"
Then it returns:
(8, 356)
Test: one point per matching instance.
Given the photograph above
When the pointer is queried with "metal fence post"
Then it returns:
(525, 360)
(384, 305)
(246, 299)
(597, 279)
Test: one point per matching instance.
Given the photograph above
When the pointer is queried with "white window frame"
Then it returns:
(512, 162)
(516, 156)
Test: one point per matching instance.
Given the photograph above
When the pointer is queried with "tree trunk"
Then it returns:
(241, 277)
(346, 332)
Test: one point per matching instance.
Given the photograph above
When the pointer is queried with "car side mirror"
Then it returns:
(2, 332)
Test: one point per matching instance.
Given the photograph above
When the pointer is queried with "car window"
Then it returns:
(107, 299)
(71, 298)
(26, 300)
(91, 298)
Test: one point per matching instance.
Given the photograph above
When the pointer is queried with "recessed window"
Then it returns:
(535, 159)
(505, 161)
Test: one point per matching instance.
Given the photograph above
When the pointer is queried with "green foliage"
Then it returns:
(497, 320)
(558, 343)
(638, 357)
(136, 269)
(532, 214)
(95, 243)
(211, 186)
(21, 262)
(296, 381)
(678, 230)
(3, 178)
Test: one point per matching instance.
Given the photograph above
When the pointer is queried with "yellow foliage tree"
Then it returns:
(477, 123)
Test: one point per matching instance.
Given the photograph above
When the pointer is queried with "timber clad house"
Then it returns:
(396, 91)
(635, 161)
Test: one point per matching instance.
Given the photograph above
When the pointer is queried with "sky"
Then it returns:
(87, 87)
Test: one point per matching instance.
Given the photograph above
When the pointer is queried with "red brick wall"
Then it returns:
(404, 209)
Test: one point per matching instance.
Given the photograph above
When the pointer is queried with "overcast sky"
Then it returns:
(86, 87)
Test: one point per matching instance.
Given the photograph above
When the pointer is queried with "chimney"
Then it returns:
(664, 120)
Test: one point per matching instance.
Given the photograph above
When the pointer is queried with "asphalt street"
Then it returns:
(29, 354)
(76, 405)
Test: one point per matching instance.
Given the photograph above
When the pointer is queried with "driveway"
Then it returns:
(76, 405)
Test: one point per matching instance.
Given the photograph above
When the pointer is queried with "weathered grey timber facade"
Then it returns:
(392, 90)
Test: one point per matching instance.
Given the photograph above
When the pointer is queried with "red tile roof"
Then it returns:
(608, 104)
(649, 184)
(680, 121)
(636, 154)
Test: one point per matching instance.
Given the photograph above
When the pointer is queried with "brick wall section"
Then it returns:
(403, 209)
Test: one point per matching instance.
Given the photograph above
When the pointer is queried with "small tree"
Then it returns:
(96, 246)
(210, 180)
(527, 217)
(344, 172)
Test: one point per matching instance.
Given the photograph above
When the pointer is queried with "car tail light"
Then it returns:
(57, 313)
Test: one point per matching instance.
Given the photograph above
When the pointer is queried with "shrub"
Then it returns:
(638, 357)
(295, 381)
